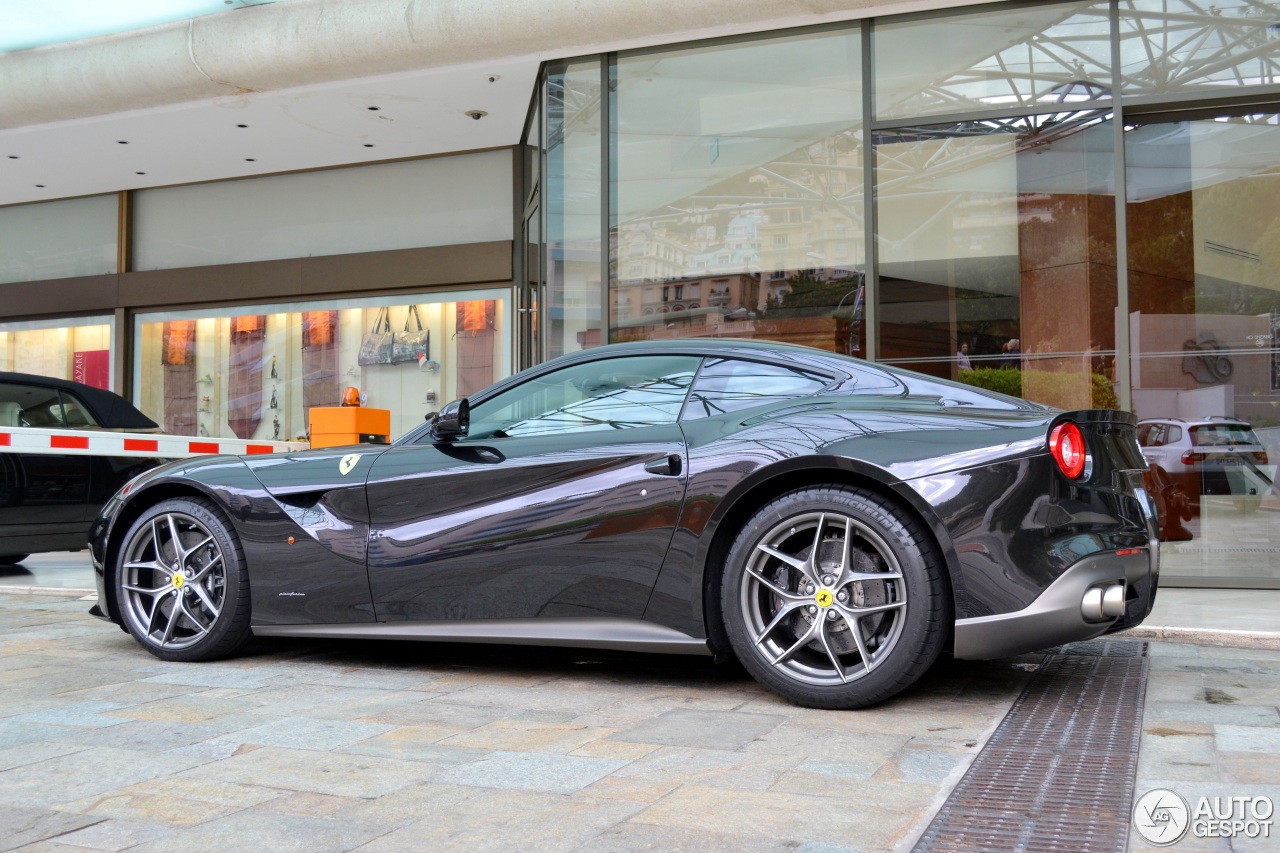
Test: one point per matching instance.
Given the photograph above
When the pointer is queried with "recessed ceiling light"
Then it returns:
(368, 145)
(242, 125)
(373, 109)
(250, 159)
(122, 142)
(139, 173)
(13, 156)
(41, 186)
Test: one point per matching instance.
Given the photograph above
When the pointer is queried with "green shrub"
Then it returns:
(1004, 380)
(1008, 380)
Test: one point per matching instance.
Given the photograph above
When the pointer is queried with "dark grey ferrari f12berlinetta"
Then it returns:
(833, 523)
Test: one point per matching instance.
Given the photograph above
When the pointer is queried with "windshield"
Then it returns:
(1222, 435)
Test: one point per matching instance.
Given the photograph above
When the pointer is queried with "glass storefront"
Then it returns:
(256, 371)
(80, 350)
(1058, 200)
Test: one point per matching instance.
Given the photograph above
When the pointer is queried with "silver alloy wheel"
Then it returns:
(823, 598)
(174, 581)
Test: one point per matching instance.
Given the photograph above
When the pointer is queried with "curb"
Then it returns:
(1205, 636)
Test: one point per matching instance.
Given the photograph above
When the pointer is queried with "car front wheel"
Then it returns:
(181, 582)
(835, 598)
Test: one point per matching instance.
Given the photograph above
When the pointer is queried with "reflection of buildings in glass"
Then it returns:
(709, 270)
(678, 271)
(813, 219)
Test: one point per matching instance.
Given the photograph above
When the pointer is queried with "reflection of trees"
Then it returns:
(810, 296)
(823, 313)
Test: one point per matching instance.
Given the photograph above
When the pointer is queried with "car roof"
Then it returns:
(108, 408)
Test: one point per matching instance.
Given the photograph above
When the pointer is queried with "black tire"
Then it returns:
(187, 604)
(889, 586)
(12, 559)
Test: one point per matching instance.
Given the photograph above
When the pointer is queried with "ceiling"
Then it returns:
(411, 114)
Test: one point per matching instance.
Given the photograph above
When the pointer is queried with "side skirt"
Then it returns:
(632, 635)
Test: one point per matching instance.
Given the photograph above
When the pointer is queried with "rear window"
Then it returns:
(729, 384)
(1222, 435)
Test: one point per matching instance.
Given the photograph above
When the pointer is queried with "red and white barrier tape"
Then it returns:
(104, 443)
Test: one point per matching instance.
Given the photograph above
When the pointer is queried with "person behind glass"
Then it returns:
(1011, 353)
(962, 358)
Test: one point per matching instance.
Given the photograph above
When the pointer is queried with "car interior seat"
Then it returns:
(10, 414)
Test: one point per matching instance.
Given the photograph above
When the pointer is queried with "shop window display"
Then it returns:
(256, 372)
(79, 350)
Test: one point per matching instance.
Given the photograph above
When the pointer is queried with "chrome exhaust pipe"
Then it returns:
(1101, 603)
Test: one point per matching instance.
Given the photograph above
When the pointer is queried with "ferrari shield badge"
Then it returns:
(347, 463)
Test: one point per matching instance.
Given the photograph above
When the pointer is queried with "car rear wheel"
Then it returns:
(12, 559)
(834, 598)
(181, 582)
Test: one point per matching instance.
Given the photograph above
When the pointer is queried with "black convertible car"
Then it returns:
(835, 524)
(48, 500)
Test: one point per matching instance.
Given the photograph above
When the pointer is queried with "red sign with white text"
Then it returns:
(92, 367)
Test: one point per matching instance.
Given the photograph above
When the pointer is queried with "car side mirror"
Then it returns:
(452, 421)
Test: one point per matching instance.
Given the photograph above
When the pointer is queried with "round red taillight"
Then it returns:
(1066, 444)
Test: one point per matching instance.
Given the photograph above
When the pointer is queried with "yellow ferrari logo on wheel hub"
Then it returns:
(178, 580)
(824, 598)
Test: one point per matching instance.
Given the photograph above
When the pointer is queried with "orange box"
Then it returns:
(335, 426)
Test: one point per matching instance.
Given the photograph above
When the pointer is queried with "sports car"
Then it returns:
(833, 523)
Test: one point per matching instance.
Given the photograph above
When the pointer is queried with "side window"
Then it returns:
(29, 406)
(616, 393)
(75, 412)
(1172, 435)
(729, 384)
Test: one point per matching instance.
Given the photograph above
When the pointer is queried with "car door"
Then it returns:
(561, 501)
(43, 493)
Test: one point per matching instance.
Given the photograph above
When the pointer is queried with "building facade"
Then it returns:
(1075, 199)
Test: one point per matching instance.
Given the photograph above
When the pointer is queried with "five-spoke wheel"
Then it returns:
(833, 598)
(180, 582)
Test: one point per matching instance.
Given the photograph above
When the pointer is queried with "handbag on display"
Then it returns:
(411, 345)
(378, 343)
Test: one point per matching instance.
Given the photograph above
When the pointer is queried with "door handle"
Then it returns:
(668, 465)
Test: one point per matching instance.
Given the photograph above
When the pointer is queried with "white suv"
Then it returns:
(1208, 456)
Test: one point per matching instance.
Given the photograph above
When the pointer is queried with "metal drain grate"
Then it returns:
(1058, 773)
